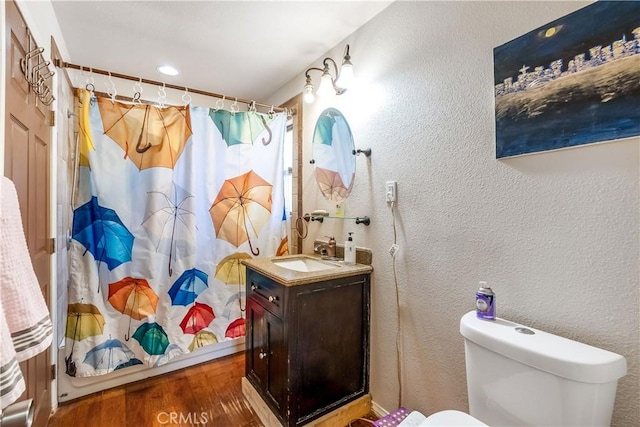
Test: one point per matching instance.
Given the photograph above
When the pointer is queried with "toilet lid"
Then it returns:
(452, 418)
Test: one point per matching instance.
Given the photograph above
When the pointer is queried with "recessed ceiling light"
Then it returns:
(167, 69)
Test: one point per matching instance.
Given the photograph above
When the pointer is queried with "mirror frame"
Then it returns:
(340, 156)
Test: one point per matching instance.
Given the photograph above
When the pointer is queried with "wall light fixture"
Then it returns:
(328, 84)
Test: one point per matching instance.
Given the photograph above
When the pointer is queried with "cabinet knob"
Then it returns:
(254, 287)
(262, 355)
(272, 298)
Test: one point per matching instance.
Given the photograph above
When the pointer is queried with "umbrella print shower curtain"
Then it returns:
(170, 201)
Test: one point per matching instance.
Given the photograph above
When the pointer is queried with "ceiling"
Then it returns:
(247, 49)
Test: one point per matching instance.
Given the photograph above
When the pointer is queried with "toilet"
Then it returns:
(521, 376)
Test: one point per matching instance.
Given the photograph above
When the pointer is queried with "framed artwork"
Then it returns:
(572, 82)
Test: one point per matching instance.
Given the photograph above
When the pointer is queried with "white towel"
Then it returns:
(11, 380)
(24, 308)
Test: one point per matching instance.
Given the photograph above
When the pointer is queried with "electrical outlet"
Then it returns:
(391, 188)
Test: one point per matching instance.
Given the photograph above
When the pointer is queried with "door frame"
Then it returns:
(32, 24)
(295, 106)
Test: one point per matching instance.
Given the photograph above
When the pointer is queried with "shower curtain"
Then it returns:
(170, 201)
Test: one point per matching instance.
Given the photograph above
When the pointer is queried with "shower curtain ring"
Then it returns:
(111, 91)
(220, 103)
(137, 91)
(162, 96)
(186, 98)
(90, 86)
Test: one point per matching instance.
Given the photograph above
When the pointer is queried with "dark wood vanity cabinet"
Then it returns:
(307, 346)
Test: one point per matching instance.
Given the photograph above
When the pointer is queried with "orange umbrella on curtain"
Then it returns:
(150, 136)
(331, 185)
(133, 297)
(241, 209)
(283, 248)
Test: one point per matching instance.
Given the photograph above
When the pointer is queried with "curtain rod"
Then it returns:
(62, 64)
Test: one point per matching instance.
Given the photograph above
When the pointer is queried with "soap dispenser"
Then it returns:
(350, 251)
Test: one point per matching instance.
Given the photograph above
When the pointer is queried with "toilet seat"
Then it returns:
(442, 418)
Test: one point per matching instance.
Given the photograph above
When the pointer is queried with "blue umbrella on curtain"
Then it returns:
(131, 362)
(108, 355)
(188, 286)
(102, 233)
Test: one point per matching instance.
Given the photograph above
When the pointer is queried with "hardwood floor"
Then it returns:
(205, 395)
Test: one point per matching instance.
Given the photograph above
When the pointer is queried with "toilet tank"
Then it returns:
(521, 376)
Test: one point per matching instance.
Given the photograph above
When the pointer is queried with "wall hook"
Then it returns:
(366, 152)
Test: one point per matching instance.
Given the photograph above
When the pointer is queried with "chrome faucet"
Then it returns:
(321, 248)
(326, 249)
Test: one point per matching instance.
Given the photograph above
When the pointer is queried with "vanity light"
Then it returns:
(167, 70)
(307, 92)
(346, 77)
(328, 84)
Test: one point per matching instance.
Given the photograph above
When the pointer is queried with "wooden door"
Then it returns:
(27, 164)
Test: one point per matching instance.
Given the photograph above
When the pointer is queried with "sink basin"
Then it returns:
(304, 264)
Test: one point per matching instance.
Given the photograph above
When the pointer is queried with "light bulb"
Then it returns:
(346, 78)
(326, 85)
(307, 93)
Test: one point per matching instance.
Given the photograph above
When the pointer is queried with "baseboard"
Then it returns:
(341, 416)
(378, 410)
(258, 405)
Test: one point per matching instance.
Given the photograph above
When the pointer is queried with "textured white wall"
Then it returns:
(555, 234)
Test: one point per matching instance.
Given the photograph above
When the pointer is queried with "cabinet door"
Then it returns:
(255, 366)
(265, 356)
(330, 345)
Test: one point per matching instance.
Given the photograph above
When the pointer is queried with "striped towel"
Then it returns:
(11, 380)
(24, 312)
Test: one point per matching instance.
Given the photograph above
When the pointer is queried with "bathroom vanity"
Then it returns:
(307, 337)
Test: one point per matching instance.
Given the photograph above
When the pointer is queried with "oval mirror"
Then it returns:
(334, 161)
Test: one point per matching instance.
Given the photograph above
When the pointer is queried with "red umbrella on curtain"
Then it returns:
(197, 318)
(236, 329)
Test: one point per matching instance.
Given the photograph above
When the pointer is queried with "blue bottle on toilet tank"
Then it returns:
(485, 302)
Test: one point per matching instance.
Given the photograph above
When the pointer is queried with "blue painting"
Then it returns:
(574, 81)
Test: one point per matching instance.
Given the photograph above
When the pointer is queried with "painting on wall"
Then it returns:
(571, 82)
